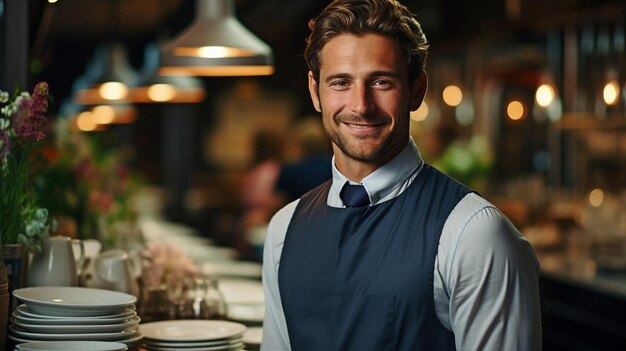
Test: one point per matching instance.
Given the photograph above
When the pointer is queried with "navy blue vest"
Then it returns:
(362, 278)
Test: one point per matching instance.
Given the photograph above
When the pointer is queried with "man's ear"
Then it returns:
(314, 91)
(418, 90)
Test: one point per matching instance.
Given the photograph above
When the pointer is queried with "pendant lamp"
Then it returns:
(216, 44)
(154, 87)
(108, 77)
(97, 118)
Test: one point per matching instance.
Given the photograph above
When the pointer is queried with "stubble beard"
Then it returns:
(350, 146)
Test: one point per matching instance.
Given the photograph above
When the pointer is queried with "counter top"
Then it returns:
(584, 273)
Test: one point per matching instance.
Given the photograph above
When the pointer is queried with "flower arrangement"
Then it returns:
(22, 132)
(166, 264)
(88, 182)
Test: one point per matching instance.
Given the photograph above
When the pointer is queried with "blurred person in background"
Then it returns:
(258, 187)
(310, 166)
(391, 254)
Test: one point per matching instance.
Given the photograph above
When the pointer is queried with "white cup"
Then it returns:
(114, 271)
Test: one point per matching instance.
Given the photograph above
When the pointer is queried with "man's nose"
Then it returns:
(361, 100)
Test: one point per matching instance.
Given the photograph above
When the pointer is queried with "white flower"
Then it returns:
(36, 230)
(4, 96)
(6, 110)
(4, 123)
(41, 214)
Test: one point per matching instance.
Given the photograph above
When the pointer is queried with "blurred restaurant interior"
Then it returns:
(526, 103)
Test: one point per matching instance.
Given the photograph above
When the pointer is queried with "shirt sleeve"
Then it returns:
(492, 285)
(275, 334)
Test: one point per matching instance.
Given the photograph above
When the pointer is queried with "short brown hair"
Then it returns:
(358, 17)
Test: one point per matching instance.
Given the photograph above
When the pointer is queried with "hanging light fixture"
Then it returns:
(108, 77)
(88, 118)
(154, 87)
(216, 44)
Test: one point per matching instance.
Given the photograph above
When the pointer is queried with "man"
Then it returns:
(419, 262)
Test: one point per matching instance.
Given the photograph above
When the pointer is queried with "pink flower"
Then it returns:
(30, 121)
(167, 264)
(39, 101)
(101, 201)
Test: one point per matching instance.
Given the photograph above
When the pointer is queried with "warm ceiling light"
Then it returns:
(107, 77)
(97, 118)
(216, 44)
(154, 87)
(515, 110)
(85, 121)
(596, 197)
(452, 95)
(545, 95)
(113, 90)
(103, 114)
(610, 93)
(161, 92)
(213, 52)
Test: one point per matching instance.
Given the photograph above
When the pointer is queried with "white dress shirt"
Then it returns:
(486, 274)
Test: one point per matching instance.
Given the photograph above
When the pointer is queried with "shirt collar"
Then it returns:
(383, 181)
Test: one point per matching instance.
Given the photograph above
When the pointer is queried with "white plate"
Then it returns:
(132, 339)
(23, 315)
(74, 301)
(241, 291)
(74, 297)
(246, 313)
(118, 336)
(75, 328)
(253, 336)
(71, 346)
(184, 344)
(191, 330)
(234, 347)
(64, 312)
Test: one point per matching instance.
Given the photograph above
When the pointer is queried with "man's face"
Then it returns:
(365, 98)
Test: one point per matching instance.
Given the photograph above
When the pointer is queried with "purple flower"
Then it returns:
(30, 121)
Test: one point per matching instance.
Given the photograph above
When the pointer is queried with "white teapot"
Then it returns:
(114, 270)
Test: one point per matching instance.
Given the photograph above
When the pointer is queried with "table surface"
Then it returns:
(583, 273)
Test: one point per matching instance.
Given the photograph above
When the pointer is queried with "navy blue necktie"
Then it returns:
(354, 196)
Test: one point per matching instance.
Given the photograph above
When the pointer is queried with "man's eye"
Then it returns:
(339, 83)
(382, 83)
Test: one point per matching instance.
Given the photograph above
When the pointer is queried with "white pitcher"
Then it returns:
(55, 264)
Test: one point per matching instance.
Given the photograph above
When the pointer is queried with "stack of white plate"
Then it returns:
(71, 346)
(74, 314)
(193, 335)
(253, 338)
